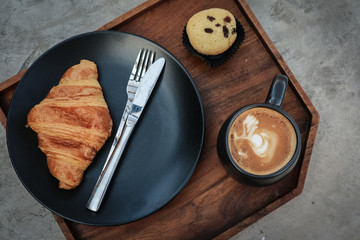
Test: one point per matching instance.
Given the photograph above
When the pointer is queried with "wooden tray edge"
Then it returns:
(2, 118)
(68, 234)
(315, 117)
(248, 13)
(11, 81)
(310, 138)
(230, 232)
(3, 87)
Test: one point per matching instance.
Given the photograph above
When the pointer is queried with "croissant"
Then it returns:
(72, 123)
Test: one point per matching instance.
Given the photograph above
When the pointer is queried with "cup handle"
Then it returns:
(277, 90)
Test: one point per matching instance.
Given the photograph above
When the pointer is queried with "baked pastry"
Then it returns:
(72, 123)
(212, 31)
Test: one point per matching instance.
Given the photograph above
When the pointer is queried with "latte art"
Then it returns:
(261, 140)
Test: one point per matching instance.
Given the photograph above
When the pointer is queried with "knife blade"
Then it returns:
(140, 99)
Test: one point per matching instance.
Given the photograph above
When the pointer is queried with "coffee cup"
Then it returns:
(261, 140)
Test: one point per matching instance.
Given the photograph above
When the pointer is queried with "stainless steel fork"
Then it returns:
(143, 61)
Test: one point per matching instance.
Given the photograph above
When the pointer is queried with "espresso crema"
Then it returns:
(262, 141)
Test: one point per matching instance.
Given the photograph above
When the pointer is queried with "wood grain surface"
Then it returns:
(215, 203)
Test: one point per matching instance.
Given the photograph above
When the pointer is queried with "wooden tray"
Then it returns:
(213, 204)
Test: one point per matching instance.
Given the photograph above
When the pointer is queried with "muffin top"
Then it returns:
(212, 31)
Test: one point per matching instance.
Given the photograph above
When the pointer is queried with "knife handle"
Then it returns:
(119, 130)
(105, 177)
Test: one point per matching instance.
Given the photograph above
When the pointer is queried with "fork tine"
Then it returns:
(148, 62)
(135, 67)
(145, 66)
(141, 66)
(152, 57)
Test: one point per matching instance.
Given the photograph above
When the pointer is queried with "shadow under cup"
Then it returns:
(273, 107)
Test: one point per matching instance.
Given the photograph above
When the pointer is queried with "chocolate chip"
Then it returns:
(233, 31)
(218, 25)
(210, 18)
(227, 19)
(225, 31)
(208, 30)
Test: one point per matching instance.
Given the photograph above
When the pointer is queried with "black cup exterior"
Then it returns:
(224, 153)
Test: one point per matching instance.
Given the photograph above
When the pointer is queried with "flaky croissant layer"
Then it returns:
(72, 123)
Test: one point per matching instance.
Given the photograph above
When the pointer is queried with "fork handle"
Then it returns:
(119, 130)
(107, 173)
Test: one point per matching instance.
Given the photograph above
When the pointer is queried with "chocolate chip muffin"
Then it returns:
(212, 31)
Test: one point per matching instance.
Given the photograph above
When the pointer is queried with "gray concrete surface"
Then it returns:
(319, 40)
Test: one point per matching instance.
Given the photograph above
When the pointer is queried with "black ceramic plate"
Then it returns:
(161, 155)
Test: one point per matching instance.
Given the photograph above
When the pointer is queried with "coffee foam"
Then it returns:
(262, 140)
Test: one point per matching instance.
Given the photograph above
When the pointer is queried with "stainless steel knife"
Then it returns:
(141, 97)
